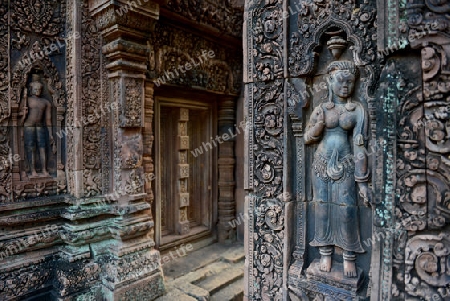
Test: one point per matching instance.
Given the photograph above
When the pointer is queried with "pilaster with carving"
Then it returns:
(131, 263)
(265, 150)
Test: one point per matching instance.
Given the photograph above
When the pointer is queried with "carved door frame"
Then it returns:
(187, 102)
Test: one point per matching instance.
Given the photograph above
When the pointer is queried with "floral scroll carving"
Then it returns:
(269, 231)
(39, 16)
(93, 104)
(427, 266)
(219, 14)
(211, 67)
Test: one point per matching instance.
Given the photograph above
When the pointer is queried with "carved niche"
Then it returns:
(34, 149)
(278, 181)
(42, 72)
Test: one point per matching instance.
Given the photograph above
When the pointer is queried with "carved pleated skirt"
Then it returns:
(335, 203)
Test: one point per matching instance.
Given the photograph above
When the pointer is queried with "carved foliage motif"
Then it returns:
(423, 167)
(426, 19)
(93, 106)
(268, 209)
(315, 17)
(5, 162)
(70, 88)
(38, 16)
(266, 112)
(5, 166)
(4, 78)
(173, 48)
(267, 35)
(131, 110)
(76, 277)
(22, 281)
(218, 14)
(427, 266)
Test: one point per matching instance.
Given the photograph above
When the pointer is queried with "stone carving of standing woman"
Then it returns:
(340, 164)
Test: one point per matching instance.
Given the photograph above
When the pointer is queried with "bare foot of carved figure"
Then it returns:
(350, 269)
(34, 173)
(325, 263)
(45, 173)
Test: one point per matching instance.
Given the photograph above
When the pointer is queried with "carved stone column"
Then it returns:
(226, 163)
(133, 247)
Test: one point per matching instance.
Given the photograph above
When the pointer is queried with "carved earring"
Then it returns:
(330, 104)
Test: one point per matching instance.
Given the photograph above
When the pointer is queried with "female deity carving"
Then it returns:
(340, 164)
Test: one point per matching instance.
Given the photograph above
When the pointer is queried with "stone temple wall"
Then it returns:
(76, 139)
(333, 169)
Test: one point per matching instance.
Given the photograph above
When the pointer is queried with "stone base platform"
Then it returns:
(326, 286)
(335, 277)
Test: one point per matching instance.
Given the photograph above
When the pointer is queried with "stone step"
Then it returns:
(234, 255)
(216, 282)
(175, 294)
(231, 292)
(194, 291)
(196, 260)
(203, 273)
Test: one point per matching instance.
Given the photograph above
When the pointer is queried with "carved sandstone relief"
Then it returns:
(339, 167)
(340, 31)
(264, 174)
(184, 59)
(95, 108)
(218, 14)
(38, 107)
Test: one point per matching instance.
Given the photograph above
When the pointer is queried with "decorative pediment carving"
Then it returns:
(218, 14)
